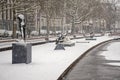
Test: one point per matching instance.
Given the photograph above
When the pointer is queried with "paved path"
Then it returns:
(93, 67)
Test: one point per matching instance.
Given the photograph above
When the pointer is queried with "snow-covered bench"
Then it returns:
(90, 38)
(67, 42)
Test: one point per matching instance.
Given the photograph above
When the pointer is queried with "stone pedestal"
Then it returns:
(21, 53)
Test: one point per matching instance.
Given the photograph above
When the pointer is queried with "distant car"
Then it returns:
(69, 31)
(18, 33)
(9, 33)
(43, 32)
(34, 33)
(98, 34)
(58, 32)
(50, 32)
(3, 33)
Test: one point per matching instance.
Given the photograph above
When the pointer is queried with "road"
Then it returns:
(93, 67)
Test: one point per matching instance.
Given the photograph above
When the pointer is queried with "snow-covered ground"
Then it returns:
(113, 53)
(47, 63)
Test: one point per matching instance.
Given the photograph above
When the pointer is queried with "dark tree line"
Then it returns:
(75, 10)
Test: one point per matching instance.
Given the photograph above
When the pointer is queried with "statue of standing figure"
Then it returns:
(22, 25)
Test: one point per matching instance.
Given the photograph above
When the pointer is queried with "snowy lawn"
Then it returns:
(113, 54)
(47, 63)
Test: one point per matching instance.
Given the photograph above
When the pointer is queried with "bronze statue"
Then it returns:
(22, 25)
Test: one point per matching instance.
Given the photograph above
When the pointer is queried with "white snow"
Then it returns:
(47, 63)
(21, 16)
(113, 53)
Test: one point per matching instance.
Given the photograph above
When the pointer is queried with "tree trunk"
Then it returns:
(73, 26)
(14, 26)
(48, 25)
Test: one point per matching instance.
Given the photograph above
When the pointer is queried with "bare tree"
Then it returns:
(75, 10)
